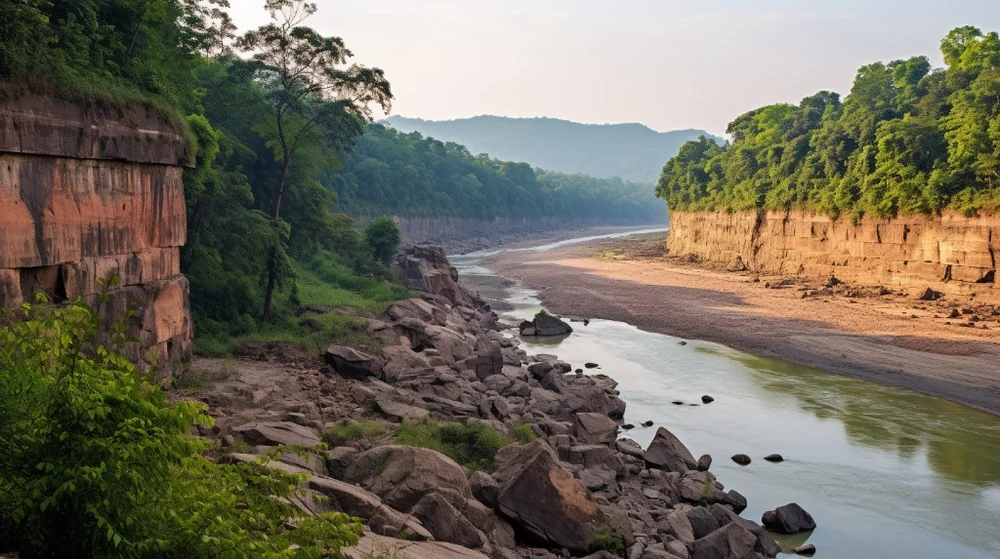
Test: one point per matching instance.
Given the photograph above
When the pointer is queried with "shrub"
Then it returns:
(383, 238)
(471, 445)
(607, 539)
(96, 462)
(523, 433)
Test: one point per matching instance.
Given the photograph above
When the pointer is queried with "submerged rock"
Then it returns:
(707, 399)
(807, 550)
(774, 458)
(545, 325)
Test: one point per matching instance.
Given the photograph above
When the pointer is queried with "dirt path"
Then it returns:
(891, 339)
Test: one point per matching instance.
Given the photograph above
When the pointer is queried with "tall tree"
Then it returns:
(314, 95)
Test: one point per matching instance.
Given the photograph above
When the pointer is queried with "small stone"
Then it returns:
(707, 399)
(591, 365)
(807, 550)
(704, 463)
(628, 427)
(678, 403)
(742, 459)
(647, 423)
(682, 343)
(774, 458)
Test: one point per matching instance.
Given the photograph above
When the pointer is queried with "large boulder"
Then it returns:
(355, 501)
(701, 488)
(446, 523)
(351, 363)
(402, 475)
(545, 500)
(545, 325)
(789, 519)
(595, 428)
(426, 268)
(729, 542)
(667, 452)
(277, 433)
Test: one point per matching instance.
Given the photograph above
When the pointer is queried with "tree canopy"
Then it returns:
(908, 139)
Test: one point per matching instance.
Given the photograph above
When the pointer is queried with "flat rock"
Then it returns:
(351, 363)
(372, 545)
(277, 433)
(595, 428)
(729, 542)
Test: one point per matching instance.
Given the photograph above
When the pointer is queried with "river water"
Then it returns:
(886, 473)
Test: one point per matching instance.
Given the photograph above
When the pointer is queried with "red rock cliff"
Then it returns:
(89, 193)
(949, 253)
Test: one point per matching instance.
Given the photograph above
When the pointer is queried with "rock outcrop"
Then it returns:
(89, 193)
(575, 488)
(946, 254)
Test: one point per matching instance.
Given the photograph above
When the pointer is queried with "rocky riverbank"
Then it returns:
(569, 486)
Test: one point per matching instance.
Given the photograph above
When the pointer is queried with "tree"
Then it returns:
(383, 238)
(311, 92)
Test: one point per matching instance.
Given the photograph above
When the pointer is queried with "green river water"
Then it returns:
(886, 473)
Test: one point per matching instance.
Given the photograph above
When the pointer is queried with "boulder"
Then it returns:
(351, 363)
(545, 325)
(484, 488)
(667, 452)
(399, 411)
(736, 265)
(774, 458)
(595, 428)
(277, 433)
(729, 542)
(788, 519)
(704, 463)
(703, 522)
(355, 501)
(546, 501)
(706, 399)
(402, 475)
(700, 487)
(736, 500)
(445, 523)
(426, 268)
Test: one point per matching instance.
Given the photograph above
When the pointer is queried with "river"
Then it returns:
(886, 473)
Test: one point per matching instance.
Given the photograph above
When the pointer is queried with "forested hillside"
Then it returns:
(907, 139)
(412, 176)
(632, 152)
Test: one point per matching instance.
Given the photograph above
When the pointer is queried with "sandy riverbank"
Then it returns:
(889, 338)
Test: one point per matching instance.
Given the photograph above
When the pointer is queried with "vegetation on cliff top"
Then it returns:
(906, 140)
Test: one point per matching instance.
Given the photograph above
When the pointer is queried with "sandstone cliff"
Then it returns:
(948, 253)
(90, 193)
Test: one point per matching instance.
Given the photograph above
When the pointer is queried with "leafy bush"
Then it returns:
(471, 445)
(607, 539)
(96, 462)
(351, 430)
(383, 238)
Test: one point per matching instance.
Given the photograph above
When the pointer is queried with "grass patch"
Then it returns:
(545, 312)
(350, 430)
(523, 433)
(321, 282)
(471, 445)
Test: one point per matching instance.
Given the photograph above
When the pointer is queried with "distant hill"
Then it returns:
(630, 151)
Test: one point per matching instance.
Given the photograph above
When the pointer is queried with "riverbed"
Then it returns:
(885, 472)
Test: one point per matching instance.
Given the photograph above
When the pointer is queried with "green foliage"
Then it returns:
(383, 239)
(472, 445)
(907, 140)
(607, 539)
(350, 430)
(523, 433)
(96, 462)
(408, 175)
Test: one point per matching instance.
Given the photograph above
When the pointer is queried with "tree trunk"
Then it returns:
(272, 278)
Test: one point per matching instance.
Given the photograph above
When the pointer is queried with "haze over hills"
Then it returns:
(633, 152)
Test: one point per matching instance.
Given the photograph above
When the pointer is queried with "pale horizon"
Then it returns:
(666, 65)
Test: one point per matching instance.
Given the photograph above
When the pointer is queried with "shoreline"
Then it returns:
(891, 340)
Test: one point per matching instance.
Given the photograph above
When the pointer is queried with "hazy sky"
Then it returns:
(668, 64)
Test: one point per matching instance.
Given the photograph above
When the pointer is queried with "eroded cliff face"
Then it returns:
(90, 193)
(949, 253)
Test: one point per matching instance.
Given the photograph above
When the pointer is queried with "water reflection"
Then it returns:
(960, 443)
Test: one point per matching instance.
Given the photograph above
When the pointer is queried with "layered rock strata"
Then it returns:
(88, 194)
(948, 253)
